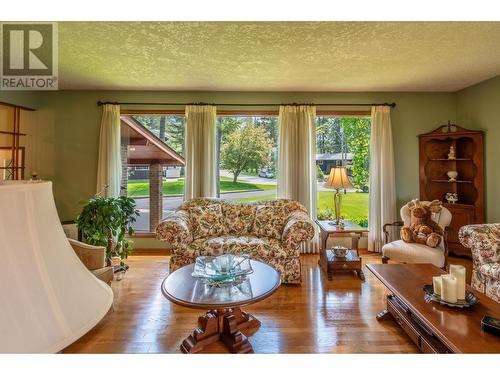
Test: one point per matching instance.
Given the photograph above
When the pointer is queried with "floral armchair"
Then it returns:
(484, 242)
(271, 231)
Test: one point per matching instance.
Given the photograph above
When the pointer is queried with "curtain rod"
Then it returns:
(100, 103)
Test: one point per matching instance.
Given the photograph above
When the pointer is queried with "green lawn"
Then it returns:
(176, 188)
(228, 186)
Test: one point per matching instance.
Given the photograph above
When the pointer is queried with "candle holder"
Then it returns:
(470, 298)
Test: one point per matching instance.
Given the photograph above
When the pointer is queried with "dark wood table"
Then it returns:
(327, 260)
(224, 320)
(433, 327)
(331, 263)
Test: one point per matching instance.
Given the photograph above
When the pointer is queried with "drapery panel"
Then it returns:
(201, 158)
(109, 166)
(382, 200)
(297, 160)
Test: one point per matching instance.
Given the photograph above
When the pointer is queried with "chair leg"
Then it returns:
(385, 259)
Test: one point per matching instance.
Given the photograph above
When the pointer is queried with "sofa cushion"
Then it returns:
(289, 205)
(199, 202)
(401, 251)
(256, 247)
(239, 218)
(270, 221)
(491, 270)
(207, 221)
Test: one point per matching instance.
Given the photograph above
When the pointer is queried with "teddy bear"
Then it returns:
(422, 228)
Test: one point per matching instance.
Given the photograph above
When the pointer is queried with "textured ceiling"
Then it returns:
(278, 56)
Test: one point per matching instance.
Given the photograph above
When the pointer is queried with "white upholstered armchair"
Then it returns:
(401, 251)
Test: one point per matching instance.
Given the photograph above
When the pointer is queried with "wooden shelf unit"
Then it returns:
(458, 159)
(452, 182)
(469, 163)
(12, 153)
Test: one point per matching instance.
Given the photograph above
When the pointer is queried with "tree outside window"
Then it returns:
(247, 157)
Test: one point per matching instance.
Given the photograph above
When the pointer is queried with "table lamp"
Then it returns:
(48, 298)
(338, 180)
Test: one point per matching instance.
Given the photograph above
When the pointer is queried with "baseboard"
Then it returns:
(156, 252)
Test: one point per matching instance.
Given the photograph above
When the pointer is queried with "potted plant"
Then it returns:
(106, 221)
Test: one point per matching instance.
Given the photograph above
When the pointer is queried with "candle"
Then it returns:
(459, 272)
(449, 288)
(436, 283)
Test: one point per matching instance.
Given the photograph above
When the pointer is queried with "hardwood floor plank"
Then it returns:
(319, 316)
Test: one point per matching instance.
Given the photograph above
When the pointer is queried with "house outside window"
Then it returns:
(153, 165)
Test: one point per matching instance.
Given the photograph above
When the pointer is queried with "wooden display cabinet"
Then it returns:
(469, 185)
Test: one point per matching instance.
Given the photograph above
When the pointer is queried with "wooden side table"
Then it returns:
(326, 230)
(327, 260)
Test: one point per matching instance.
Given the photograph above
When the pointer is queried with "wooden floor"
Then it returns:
(319, 316)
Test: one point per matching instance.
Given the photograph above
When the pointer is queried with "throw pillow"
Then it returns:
(270, 221)
(239, 218)
(207, 221)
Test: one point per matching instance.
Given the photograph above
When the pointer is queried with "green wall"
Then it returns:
(70, 121)
(23, 98)
(478, 107)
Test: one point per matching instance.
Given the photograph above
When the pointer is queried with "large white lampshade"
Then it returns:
(48, 298)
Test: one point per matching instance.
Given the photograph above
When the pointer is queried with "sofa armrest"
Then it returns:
(483, 240)
(93, 257)
(175, 230)
(298, 228)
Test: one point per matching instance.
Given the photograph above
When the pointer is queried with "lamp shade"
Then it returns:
(48, 298)
(337, 179)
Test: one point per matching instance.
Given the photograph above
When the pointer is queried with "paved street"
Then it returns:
(269, 181)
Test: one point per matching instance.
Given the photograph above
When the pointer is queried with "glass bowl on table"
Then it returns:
(227, 269)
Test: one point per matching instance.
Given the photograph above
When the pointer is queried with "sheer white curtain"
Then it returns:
(297, 159)
(109, 167)
(200, 150)
(382, 200)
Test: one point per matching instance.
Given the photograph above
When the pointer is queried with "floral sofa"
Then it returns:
(484, 242)
(271, 231)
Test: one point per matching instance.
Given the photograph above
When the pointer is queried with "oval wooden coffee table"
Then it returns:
(224, 320)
